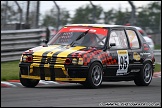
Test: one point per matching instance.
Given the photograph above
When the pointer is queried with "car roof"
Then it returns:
(98, 25)
(138, 28)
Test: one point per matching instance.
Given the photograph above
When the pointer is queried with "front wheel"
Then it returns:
(28, 82)
(144, 77)
(95, 75)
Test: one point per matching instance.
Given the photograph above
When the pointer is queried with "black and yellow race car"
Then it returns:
(90, 54)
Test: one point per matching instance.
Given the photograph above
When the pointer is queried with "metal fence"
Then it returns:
(14, 42)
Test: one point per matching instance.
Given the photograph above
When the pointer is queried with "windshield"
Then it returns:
(80, 36)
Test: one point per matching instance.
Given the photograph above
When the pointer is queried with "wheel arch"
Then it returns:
(147, 60)
(150, 61)
(95, 60)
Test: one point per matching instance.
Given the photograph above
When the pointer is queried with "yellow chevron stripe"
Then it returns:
(44, 49)
(66, 53)
(53, 51)
(70, 50)
(40, 52)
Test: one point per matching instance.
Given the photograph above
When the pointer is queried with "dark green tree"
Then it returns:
(50, 18)
(149, 16)
(109, 16)
(85, 14)
(9, 13)
(120, 17)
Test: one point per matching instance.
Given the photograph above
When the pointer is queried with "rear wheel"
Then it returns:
(95, 75)
(144, 77)
(28, 82)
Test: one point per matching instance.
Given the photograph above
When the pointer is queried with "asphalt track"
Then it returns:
(75, 95)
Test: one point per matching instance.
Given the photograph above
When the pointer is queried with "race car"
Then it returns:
(90, 54)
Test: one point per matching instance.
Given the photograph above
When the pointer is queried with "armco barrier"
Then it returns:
(14, 42)
(157, 52)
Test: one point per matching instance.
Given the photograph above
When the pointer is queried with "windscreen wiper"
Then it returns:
(79, 37)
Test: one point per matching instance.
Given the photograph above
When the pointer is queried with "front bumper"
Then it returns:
(53, 72)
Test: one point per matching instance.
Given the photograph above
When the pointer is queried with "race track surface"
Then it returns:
(75, 95)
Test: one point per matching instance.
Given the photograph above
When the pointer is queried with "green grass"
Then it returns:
(157, 46)
(157, 67)
(10, 70)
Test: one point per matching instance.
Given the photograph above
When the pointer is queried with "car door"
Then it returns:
(119, 54)
(136, 50)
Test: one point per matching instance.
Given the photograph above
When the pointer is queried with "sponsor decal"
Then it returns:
(136, 56)
(145, 53)
(101, 31)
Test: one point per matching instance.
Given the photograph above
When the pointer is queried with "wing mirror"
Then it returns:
(112, 44)
(45, 41)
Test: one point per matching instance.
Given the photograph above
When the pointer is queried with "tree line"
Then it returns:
(147, 17)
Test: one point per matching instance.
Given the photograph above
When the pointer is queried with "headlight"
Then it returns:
(27, 58)
(75, 61)
(80, 61)
(21, 58)
(24, 58)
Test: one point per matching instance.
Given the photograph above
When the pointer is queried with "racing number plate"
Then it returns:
(123, 61)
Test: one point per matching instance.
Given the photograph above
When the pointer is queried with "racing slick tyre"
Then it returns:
(144, 77)
(95, 75)
(28, 82)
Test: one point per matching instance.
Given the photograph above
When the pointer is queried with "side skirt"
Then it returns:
(118, 78)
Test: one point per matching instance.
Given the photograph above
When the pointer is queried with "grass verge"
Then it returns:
(157, 47)
(9, 70)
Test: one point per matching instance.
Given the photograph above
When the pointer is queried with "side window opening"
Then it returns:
(133, 39)
(118, 38)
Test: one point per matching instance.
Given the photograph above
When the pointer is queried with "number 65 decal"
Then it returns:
(123, 61)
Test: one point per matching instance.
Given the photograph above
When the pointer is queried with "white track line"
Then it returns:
(48, 82)
(8, 83)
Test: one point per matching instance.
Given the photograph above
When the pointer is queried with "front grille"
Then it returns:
(40, 59)
(45, 59)
(56, 60)
(37, 59)
(36, 72)
(24, 70)
(48, 72)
